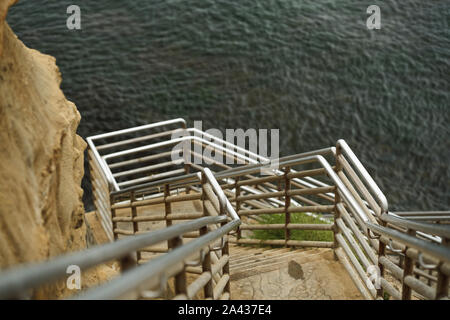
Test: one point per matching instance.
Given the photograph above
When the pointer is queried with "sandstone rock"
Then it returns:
(41, 162)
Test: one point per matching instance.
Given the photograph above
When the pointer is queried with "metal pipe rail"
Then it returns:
(416, 251)
(343, 148)
(251, 169)
(91, 142)
(429, 216)
(429, 228)
(221, 175)
(256, 168)
(358, 203)
(16, 281)
(185, 180)
(191, 134)
(104, 180)
(157, 271)
(436, 251)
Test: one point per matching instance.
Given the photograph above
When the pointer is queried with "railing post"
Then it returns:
(187, 169)
(208, 289)
(180, 278)
(407, 270)
(135, 223)
(127, 262)
(381, 253)
(337, 215)
(113, 215)
(287, 204)
(237, 193)
(442, 279)
(337, 200)
(226, 267)
(168, 210)
(279, 189)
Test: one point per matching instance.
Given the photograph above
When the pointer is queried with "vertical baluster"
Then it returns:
(113, 215)
(187, 169)
(279, 189)
(337, 200)
(287, 204)
(237, 189)
(337, 215)
(442, 279)
(381, 253)
(407, 270)
(127, 262)
(167, 211)
(180, 278)
(134, 223)
(206, 263)
(226, 267)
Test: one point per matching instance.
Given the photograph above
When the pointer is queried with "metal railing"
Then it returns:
(149, 280)
(425, 268)
(139, 188)
(427, 216)
(346, 190)
(135, 157)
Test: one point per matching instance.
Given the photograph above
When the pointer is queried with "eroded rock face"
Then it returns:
(41, 157)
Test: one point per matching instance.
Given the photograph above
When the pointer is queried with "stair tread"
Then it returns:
(259, 255)
(263, 260)
(240, 257)
(269, 265)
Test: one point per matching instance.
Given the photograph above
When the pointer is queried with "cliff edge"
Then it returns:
(41, 162)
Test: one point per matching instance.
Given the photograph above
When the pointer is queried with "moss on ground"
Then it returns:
(302, 218)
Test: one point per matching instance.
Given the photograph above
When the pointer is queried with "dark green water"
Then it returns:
(308, 67)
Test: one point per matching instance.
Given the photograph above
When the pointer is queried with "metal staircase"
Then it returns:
(171, 222)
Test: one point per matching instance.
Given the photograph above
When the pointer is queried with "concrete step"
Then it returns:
(306, 274)
(261, 258)
(277, 263)
(264, 261)
(258, 255)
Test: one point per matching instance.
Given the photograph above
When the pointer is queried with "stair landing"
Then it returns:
(284, 274)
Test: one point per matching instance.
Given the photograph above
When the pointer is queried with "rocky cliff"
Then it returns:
(41, 158)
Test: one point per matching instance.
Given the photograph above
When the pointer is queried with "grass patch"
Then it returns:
(306, 235)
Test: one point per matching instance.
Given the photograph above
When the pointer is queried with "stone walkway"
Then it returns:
(289, 274)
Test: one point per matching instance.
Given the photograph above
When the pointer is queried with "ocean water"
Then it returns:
(310, 68)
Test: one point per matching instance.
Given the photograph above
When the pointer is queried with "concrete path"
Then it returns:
(289, 274)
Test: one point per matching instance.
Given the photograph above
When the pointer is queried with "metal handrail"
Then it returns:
(135, 280)
(434, 250)
(342, 146)
(15, 281)
(251, 158)
(102, 163)
(254, 168)
(316, 158)
(421, 213)
(224, 202)
(228, 173)
(434, 229)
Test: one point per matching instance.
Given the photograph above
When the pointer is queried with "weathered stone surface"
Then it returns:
(41, 162)
(309, 275)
